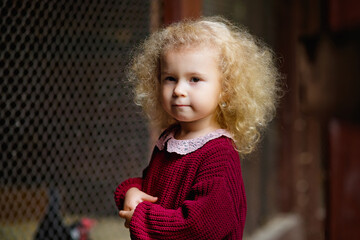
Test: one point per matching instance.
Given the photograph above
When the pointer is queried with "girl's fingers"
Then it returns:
(123, 214)
(127, 224)
(127, 216)
(149, 198)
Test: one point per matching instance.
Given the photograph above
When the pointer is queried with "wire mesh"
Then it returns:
(69, 132)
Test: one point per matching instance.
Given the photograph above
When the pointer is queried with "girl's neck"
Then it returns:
(189, 131)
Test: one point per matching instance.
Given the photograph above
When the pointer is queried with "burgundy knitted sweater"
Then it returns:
(200, 195)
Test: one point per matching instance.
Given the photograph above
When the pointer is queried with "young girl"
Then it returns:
(213, 87)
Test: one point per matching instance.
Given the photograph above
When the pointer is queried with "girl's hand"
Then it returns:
(127, 215)
(134, 196)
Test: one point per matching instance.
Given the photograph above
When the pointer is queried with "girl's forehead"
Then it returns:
(190, 48)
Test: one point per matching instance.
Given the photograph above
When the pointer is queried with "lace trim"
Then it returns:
(184, 147)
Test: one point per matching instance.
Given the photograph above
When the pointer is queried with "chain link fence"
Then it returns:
(69, 132)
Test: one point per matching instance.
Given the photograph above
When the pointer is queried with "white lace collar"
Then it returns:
(184, 147)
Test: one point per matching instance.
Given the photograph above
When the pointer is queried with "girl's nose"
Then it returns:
(180, 89)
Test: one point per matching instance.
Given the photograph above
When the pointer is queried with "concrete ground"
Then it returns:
(105, 229)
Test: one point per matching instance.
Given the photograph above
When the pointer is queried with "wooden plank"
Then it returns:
(344, 202)
(177, 10)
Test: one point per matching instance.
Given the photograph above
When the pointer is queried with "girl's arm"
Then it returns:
(211, 211)
(121, 190)
(132, 198)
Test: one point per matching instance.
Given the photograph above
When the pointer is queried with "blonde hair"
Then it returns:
(249, 76)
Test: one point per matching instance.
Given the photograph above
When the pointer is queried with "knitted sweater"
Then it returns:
(200, 195)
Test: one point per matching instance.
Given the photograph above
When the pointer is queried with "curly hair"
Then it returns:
(250, 79)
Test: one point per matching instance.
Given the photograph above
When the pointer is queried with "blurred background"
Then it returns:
(69, 132)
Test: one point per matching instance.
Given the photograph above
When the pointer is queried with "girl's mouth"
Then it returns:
(180, 105)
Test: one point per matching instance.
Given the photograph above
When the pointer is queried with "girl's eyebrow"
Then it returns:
(189, 73)
(197, 74)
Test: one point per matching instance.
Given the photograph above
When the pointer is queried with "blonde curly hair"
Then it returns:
(250, 86)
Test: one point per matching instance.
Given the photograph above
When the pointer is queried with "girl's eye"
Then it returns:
(171, 79)
(194, 79)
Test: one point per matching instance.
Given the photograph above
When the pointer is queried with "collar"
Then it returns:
(167, 141)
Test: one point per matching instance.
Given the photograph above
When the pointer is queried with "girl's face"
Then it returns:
(191, 85)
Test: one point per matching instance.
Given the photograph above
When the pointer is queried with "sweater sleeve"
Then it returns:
(208, 213)
(119, 194)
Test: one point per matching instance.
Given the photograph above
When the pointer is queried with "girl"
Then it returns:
(213, 87)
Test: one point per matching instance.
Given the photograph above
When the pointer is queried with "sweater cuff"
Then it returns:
(119, 194)
(138, 221)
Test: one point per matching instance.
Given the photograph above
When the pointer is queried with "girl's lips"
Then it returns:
(180, 105)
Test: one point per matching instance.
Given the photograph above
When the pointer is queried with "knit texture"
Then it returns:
(200, 195)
